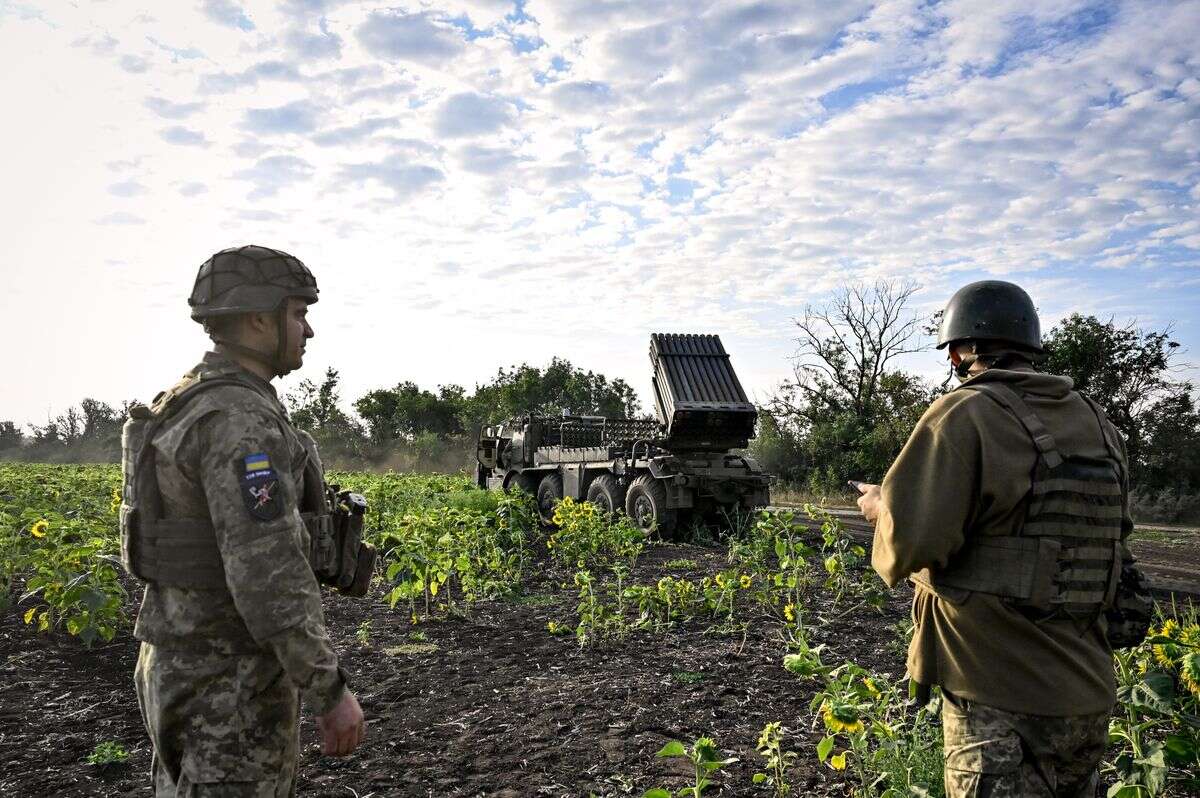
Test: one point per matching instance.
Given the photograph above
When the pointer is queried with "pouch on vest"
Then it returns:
(339, 557)
(1066, 560)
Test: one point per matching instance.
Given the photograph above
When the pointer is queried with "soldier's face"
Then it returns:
(297, 331)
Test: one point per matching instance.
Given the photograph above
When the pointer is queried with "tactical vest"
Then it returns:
(1065, 560)
(182, 552)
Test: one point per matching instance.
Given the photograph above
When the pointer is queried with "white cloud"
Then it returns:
(298, 117)
(420, 38)
(469, 114)
(662, 166)
(227, 13)
(177, 134)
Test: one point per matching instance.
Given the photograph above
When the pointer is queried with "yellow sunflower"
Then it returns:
(38, 530)
(1165, 653)
(745, 581)
(1189, 672)
(789, 612)
(841, 719)
(721, 581)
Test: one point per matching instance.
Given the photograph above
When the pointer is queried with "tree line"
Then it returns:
(844, 412)
(404, 427)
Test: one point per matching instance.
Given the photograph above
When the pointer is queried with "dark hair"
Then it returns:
(1000, 354)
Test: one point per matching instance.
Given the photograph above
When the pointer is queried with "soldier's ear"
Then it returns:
(261, 322)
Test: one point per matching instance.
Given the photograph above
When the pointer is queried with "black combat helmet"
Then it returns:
(249, 279)
(991, 310)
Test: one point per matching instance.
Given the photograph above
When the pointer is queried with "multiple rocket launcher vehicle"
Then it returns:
(687, 462)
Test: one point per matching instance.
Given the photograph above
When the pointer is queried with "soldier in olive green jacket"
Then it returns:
(232, 629)
(974, 508)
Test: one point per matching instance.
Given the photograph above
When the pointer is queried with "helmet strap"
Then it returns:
(273, 362)
(281, 346)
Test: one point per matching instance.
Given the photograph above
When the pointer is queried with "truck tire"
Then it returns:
(517, 481)
(646, 504)
(606, 494)
(549, 494)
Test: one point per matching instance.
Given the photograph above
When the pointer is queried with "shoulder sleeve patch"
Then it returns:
(259, 486)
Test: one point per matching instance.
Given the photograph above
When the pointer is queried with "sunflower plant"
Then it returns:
(886, 748)
(1154, 736)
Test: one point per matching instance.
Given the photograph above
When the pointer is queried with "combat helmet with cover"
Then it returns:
(250, 279)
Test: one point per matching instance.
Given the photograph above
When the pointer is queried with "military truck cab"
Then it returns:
(687, 460)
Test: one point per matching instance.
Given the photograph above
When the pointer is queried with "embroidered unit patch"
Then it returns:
(260, 487)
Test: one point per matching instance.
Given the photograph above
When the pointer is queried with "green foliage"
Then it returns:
(705, 759)
(846, 412)
(672, 600)
(439, 535)
(1155, 735)
(58, 535)
(363, 633)
(109, 752)
(585, 537)
(406, 411)
(600, 620)
(1127, 370)
(778, 760)
(316, 408)
(549, 391)
(887, 750)
(776, 550)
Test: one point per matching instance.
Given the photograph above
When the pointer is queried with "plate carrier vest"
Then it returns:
(1066, 558)
(183, 552)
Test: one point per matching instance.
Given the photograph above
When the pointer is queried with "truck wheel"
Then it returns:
(606, 494)
(646, 504)
(517, 481)
(549, 494)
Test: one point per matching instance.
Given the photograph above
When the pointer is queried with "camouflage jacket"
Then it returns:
(207, 455)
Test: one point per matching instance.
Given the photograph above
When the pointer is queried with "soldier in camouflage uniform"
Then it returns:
(232, 629)
(1008, 508)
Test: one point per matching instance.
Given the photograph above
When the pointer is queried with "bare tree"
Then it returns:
(845, 348)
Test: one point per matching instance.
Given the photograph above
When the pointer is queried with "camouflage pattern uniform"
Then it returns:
(999, 754)
(221, 671)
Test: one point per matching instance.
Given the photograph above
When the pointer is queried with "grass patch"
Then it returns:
(688, 677)
(682, 562)
(1171, 537)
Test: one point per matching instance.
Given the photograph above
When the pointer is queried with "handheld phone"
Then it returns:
(854, 483)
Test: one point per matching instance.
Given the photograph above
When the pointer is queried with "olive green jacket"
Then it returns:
(271, 601)
(965, 472)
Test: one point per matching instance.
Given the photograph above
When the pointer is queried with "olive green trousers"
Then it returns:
(992, 753)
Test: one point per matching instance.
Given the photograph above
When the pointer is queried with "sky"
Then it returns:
(478, 183)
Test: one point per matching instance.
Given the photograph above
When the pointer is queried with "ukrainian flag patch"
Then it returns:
(257, 462)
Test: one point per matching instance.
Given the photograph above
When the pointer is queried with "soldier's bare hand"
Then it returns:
(342, 728)
(869, 501)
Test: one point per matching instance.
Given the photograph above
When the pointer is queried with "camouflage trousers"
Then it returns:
(222, 726)
(992, 753)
